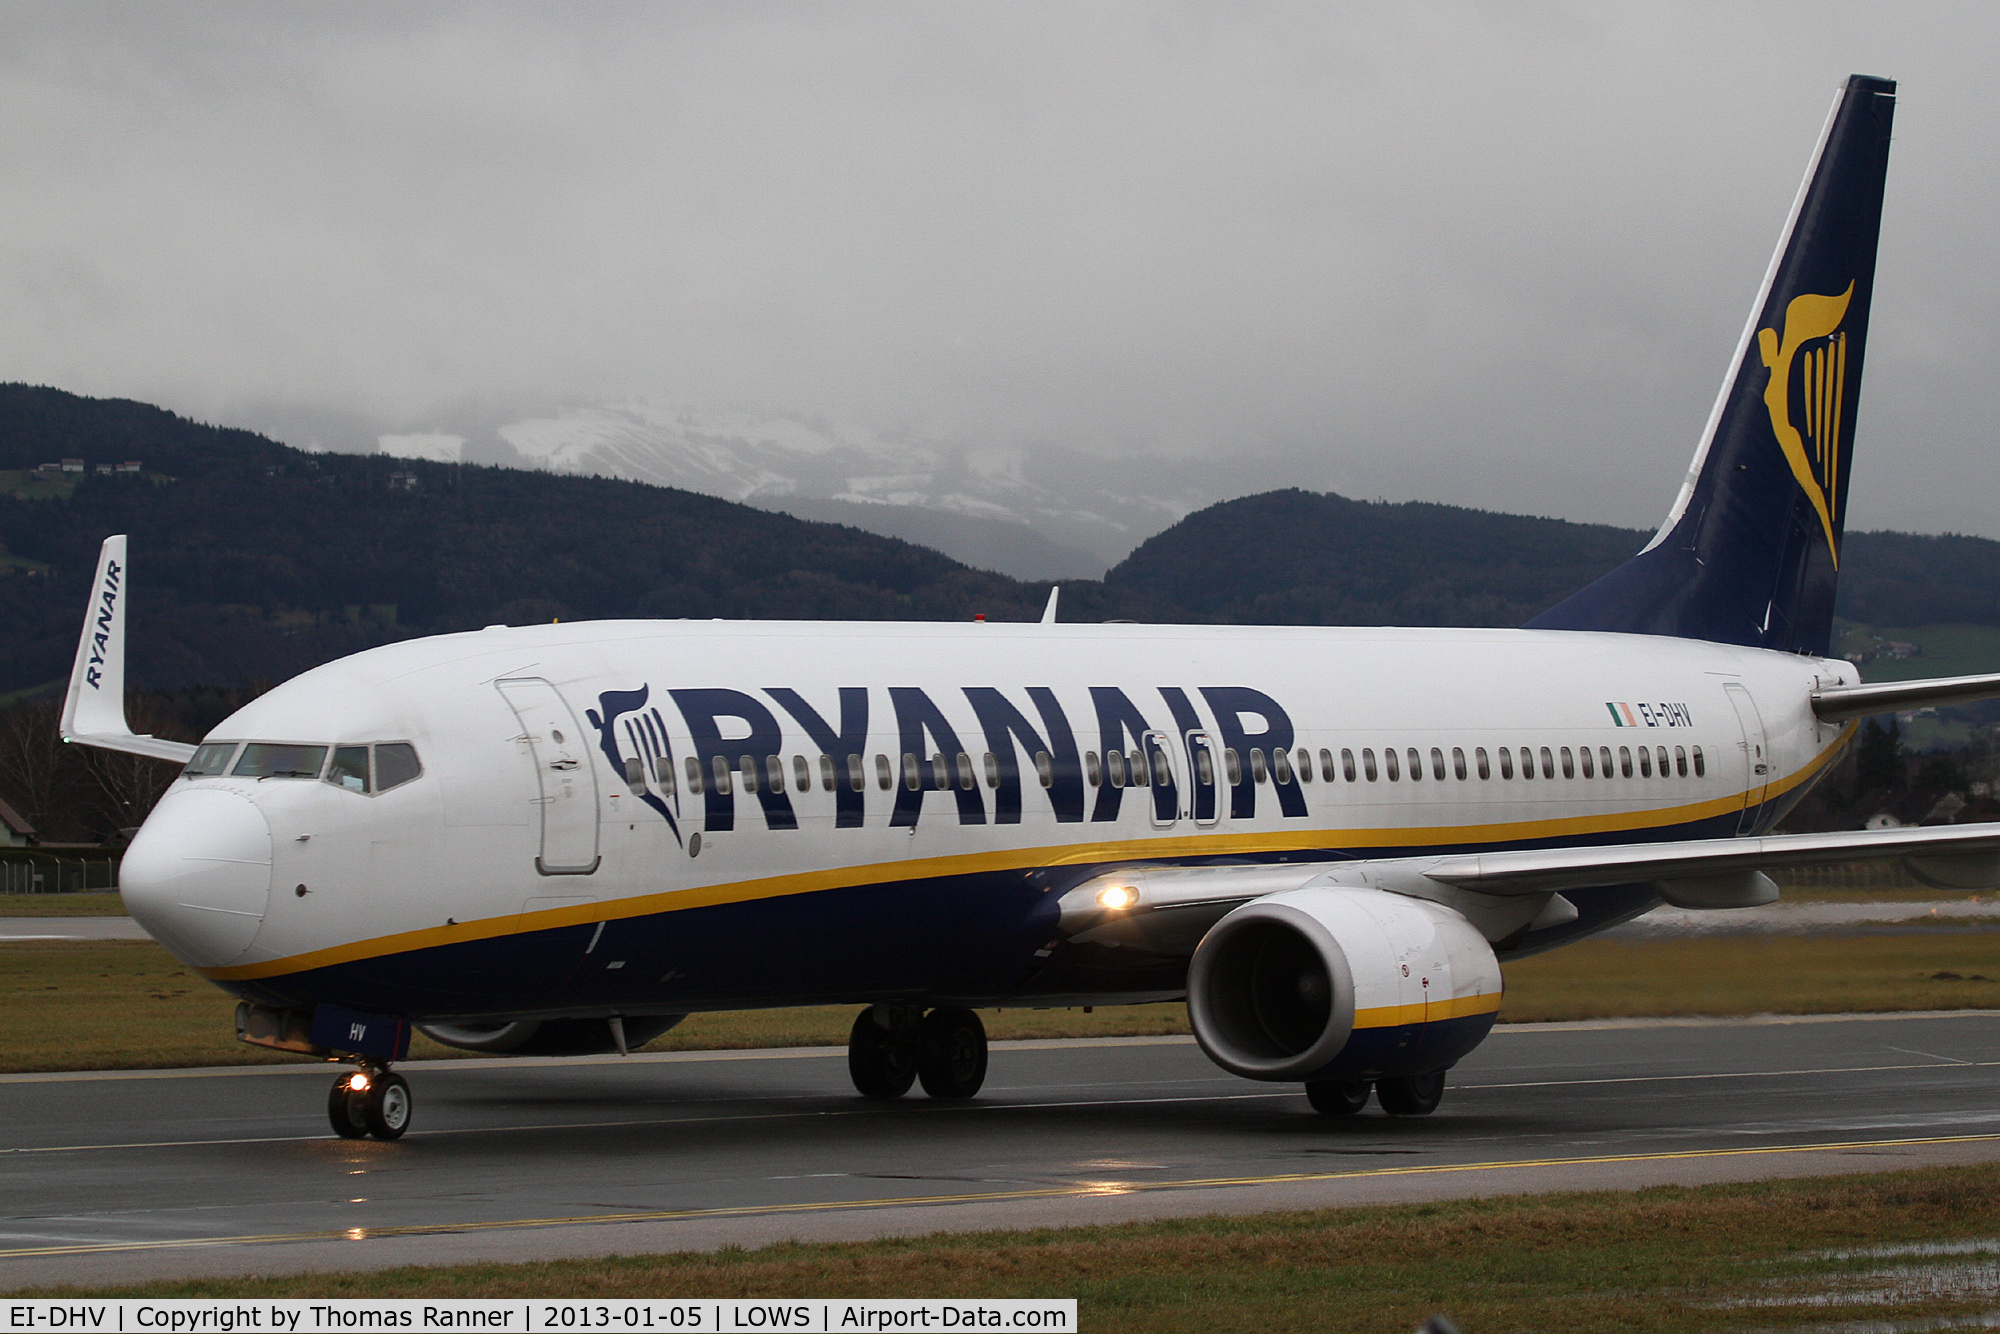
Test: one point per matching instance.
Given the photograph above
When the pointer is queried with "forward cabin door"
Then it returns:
(562, 767)
(1756, 754)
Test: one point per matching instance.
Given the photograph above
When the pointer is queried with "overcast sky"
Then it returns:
(1490, 254)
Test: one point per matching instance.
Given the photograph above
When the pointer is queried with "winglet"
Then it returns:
(94, 709)
(1049, 612)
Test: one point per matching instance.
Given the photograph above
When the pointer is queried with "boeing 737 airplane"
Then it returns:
(565, 838)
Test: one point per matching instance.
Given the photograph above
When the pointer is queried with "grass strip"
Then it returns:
(103, 903)
(1671, 1259)
(94, 1005)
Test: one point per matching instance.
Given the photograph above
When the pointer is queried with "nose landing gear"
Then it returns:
(373, 1100)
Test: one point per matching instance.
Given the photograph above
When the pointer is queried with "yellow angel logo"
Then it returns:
(1822, 382)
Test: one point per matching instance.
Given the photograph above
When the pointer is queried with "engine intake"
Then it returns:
(1332, 982)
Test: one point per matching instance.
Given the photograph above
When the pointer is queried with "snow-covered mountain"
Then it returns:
(1036, 512)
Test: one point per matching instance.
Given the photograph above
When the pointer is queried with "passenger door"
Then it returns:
(1756, 754)
(563, 768)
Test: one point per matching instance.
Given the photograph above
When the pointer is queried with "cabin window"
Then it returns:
(1645, 762)
(1528, 762)
(1681, 761)
(826, 779)
(720, 768)
(940, 772)
(857, 777)
(1091, 773)
(209, 758)
(262, 759)
(885, 774)
(663, 770)
(1604, 760)
(802, 773)
(1548, 763)
(1661, 755)
(1326, 765)
(1506, 762)
(1204, 764)
(1583, 753)
(1346, 764)
(1258, 769)
(912, 775)
(694, 776)
(774, 772)
(1437, 764)
(1281, 766)
(1700, 766)
(967, 779)
(1114, 767)
(1045, 768)
(1625, 761)
(1416, 764)
(992, 764)
(1391, 763)
(1232, 765)
(748, 766)
(349, 770)
(1569, 763)
(1368, 763)
(1140, 776)
(1302, 766)
(1479, 759)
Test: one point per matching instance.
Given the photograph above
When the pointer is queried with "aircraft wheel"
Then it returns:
(343, 1109)
(386, 1105)
(951, 1054)
(1412, 1095)
(1338, 1097)
(881, 1062)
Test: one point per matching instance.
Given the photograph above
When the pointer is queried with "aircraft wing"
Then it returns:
(94, 708)
(1836, 704)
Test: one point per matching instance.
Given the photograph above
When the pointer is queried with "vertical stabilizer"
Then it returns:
(1751, 550)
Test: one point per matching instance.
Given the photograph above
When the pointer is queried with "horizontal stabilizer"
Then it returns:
(1837, 704)
(94, 708)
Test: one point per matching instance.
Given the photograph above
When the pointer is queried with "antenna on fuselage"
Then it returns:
(1049, 612)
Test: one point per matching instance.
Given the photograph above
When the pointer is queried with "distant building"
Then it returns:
(15, 832)
(104, 468)
(133, 466)
(48, 467)
(403, 481)
(72, 465)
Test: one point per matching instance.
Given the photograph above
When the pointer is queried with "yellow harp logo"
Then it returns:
(1821, 381)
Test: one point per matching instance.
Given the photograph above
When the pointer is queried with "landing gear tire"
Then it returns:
(1411, 1095)
(343, 1111)
(370, 1102)
(1338, 1097)
(951, 1054)
(882, 1062)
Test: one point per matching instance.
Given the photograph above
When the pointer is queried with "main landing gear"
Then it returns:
(1409, 1095)
(373, 1100)
(894, 1046)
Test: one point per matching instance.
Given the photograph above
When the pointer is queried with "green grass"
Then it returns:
(1659, 1261)
(102, 903)
(88, 1005)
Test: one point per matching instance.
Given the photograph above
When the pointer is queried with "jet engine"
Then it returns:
(551, 1037)
(1336, 983)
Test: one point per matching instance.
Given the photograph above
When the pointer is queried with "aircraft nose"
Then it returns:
(198, 876)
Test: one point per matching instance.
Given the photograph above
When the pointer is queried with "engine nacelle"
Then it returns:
(1337, 983)
(550, 1037)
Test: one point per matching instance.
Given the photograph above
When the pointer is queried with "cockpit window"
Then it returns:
(349, 768)
(265, 759)
(211, 757)
(395, 764)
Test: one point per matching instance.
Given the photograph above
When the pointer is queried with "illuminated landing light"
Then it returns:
(358, 1081)
(1117, 898)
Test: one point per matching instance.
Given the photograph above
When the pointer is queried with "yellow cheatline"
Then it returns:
(1081, 1190)
(1016, 859)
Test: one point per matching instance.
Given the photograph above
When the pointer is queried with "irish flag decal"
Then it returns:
(1621, 714)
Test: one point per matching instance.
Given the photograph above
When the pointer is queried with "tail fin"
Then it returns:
(1751, 549)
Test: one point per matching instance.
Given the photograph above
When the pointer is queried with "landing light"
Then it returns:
(358, 1082)
(1118, 897)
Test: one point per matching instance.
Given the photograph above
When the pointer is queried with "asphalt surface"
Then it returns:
(126, 1176)
(70, 928)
